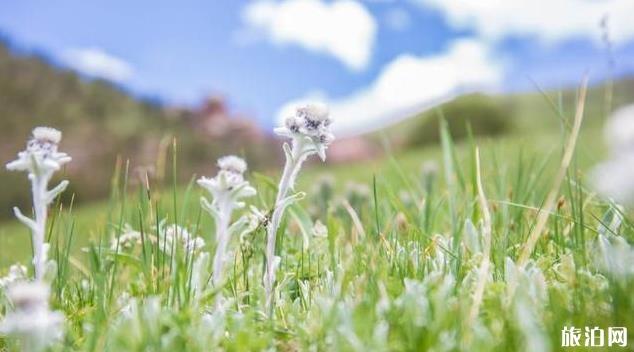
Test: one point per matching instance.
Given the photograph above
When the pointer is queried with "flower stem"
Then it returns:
(293, 163)
(39, 184)
(222, 236)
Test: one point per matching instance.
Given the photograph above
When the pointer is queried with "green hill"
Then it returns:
(522, 113)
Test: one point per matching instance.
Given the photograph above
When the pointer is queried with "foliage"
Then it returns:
(401, 276)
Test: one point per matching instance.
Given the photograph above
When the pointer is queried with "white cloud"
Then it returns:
(408, 85)
(343, 29)
(549, 21)
(97, 63)
(397, 19)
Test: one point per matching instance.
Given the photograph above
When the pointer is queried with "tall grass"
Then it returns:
(498, 253)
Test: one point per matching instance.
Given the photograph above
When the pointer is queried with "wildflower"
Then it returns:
(226, 189)
(616, 257)
(128, 239)
(229, 186)
(309, 132)
(174, 236)
(619, 131)
(41, 156)
(31, 321)
(613, 178)
(16, 273)
(40, 159)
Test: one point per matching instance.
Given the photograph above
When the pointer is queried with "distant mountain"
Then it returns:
(100, 122)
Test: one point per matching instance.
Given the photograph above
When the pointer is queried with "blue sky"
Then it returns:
(364, 58)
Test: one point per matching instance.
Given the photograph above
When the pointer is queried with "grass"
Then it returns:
(401, 267)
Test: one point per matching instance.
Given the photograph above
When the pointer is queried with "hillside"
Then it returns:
(101, 122)
(525, 113)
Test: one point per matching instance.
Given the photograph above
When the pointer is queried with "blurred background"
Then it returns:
(123, 79)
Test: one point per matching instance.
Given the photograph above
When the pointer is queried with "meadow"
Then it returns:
(487, 244)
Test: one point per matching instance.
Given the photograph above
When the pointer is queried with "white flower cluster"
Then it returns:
(16, 273)
(41, 156)
(40, 159)
(127, 240)
(31, 320)
(229, 185)
(226, 189)
(309, 129)
(614, 178)
(174, 236)
(168, 237)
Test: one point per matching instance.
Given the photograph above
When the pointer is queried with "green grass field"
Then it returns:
(400, 267)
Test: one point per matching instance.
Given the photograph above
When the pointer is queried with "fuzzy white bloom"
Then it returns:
(309, 129)
(174, 236)
(616, 257)
(41, 156)
(227, 189)
(31, 320)
(309, 132)
(40, 159)
(614, 178)
(128, 239)
(229, 185)
(17, 272)
(233, 164)
(619, 131)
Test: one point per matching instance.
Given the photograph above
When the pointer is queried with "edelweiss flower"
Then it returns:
(41, 159)
(227, 188)
(41, 155)
(128, 239)
(229, 185)
(174, 235)
(31, 320)
(17, 272)
(309, 129)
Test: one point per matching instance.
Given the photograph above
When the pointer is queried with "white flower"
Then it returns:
(233, 164)
(31, 320)
(174, 235)
(309, 129)
(226, 189)
(17, 272)
(619, 131)
(41, 159)
(128, 239)
(229, 185)
(616, 256)
(41, 155)
(614, 178)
